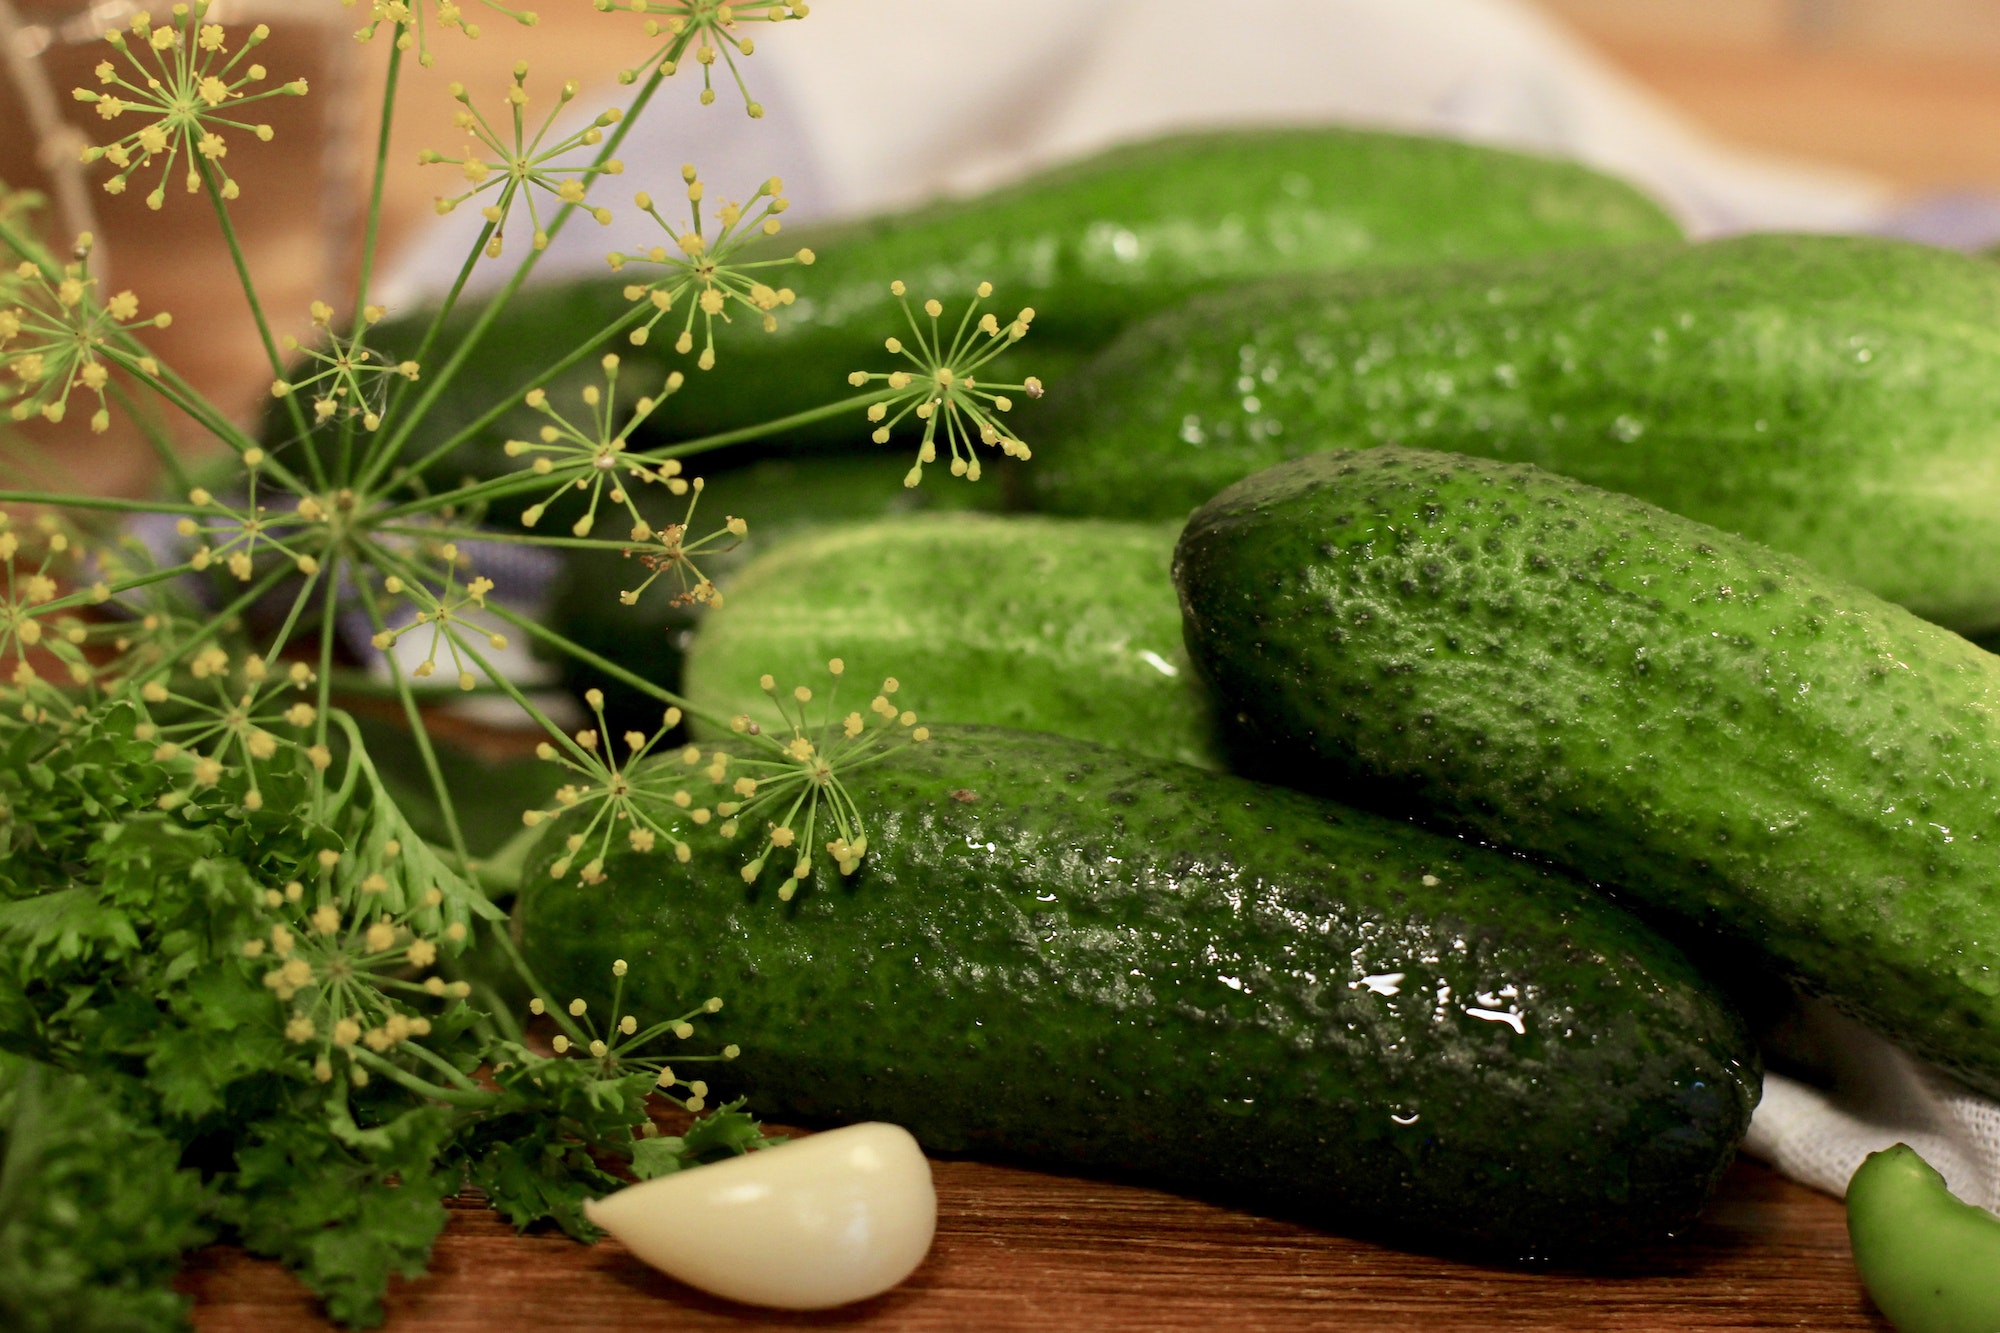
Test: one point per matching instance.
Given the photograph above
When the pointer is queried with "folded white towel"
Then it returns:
(1875, 1095)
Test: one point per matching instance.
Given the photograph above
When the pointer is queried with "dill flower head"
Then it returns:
(668, 552)
(235, 537)
(940, 388)
(188, 88)
(523, 163)
(592, 456)
(31, 565)
(622, 1047)
(703, 273)
(226, 717)
(411, 19)
(351, 380)
(448, 615)
(711, 29)
(350, 974)
(647, 809)
(57, 335)
(794, 783)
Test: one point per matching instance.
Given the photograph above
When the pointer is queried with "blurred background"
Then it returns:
(1896, 102)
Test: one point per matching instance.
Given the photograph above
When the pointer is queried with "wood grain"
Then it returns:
(1019, 1249)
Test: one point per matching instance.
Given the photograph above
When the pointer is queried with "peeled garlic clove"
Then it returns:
(816, 1222)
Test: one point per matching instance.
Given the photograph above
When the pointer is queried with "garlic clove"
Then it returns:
(817, 1222)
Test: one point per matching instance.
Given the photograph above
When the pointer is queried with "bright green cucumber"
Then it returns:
(1060, 952)
(1835, 397)
(1062, 625)
(1090, 246)
(1721, 732)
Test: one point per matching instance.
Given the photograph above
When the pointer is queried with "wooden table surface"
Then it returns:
(1019, 1249)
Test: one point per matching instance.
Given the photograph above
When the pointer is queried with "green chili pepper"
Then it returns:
(1930, 1262)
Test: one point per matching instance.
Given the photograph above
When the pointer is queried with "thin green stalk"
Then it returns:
(292, 617)
(477, 1101)
(443, 1066)
(169, 385)
(298, 412)
(374, 223)
(74, 500)
(518, 483)
(495, 535)
(156, 437)
(743, 433)
(86, 598)
(418, 732)
(606, 665)
(327, 624)
(215, 624)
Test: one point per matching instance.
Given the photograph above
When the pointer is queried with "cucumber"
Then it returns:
(1062, 625)
(1091, 246)
(1730, 737)
(1059, 952)
(1834, 397)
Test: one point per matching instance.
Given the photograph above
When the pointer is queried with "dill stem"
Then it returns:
(249, 286)
(516, 483)
(374, 221)
(78, 500)
(479, 1100)
(156, 437)
(606, 665)
(451, 1071)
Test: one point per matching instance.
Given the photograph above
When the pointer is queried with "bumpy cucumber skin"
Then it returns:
(1090, 246)
(1837, 398)
(1713, 727)
(1058, 952)
(1062, 625)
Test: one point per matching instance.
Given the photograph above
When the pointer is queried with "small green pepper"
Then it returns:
(1930, 1262)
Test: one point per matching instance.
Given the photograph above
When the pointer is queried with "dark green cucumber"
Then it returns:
(1834, 397)
(1715, 728)
(1061, 625)
(1063, 953)
(1090, 246)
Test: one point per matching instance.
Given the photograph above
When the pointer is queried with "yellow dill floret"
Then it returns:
(619, 1049)
(710, 29)
(793, 786)
(703, 275)
(669, 552)
(592, 455)
(523, 163)
(235, 717)
(182, 79)
(351, 379)
(411, 22)
(57, 336)
(942, 391)
(641, 809)
(449, 616)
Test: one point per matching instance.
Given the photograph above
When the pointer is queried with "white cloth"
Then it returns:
(1878, 1096)
(880, 104)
